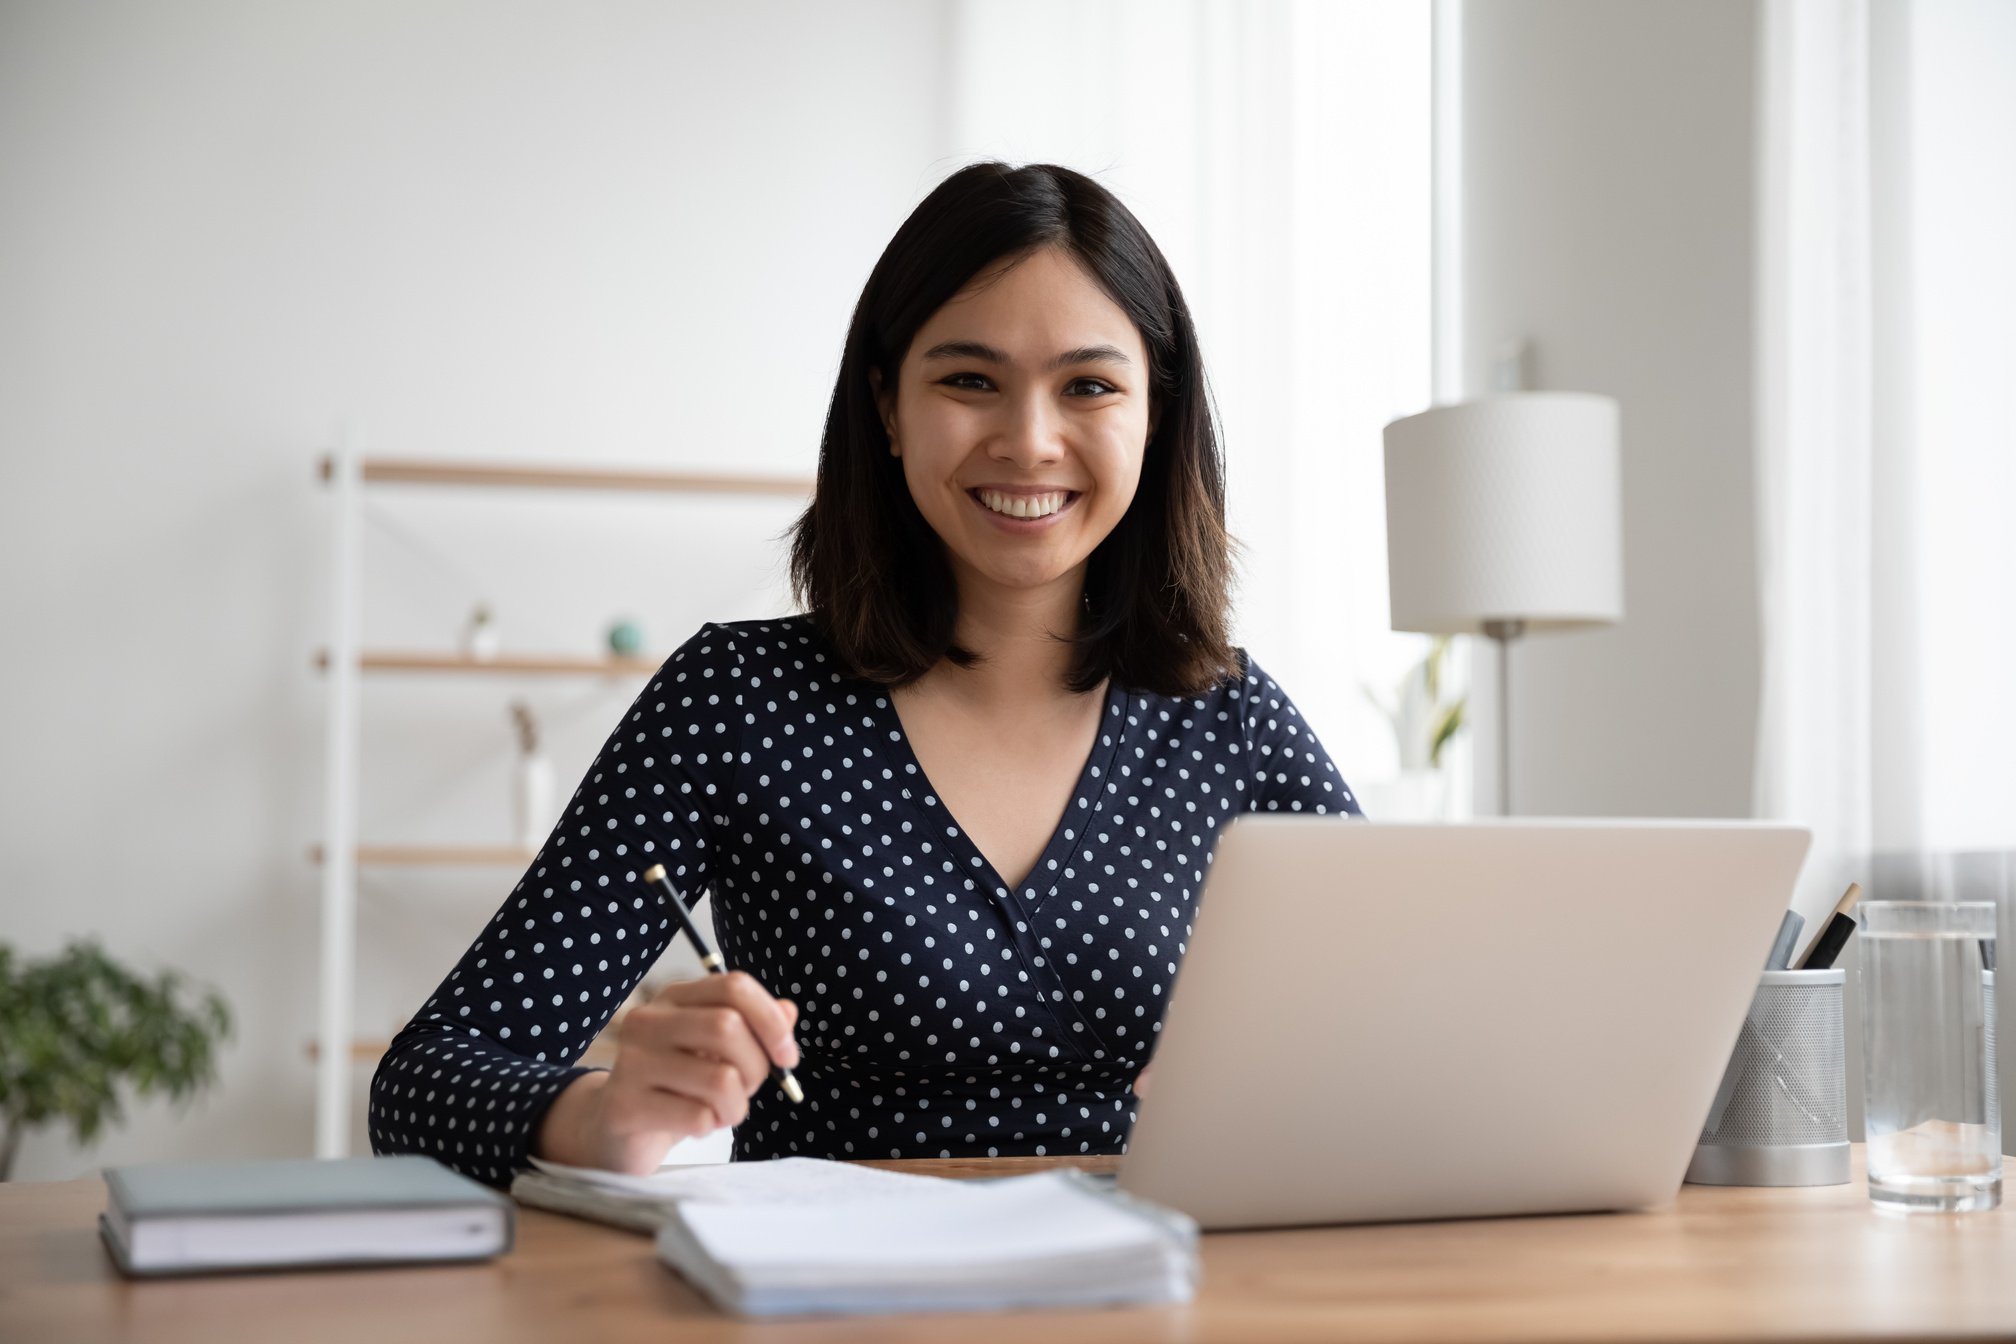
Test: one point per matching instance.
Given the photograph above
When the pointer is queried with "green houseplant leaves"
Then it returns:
(76, 1026)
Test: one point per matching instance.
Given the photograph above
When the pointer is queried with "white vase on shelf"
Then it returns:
(480, 637)
(532, 814)
(532, 800)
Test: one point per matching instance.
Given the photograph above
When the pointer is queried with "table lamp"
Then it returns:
(1503, 517)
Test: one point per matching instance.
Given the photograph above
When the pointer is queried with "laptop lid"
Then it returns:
(1380, 1021)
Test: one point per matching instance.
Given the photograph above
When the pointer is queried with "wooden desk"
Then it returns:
(1720, 1264)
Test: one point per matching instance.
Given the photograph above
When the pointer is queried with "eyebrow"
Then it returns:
(1084, 354)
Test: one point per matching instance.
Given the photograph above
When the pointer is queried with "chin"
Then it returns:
(1028, 579)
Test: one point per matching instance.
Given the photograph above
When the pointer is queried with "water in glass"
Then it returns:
(1931, 1111)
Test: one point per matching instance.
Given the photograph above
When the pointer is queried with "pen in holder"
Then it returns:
(1780, 1116)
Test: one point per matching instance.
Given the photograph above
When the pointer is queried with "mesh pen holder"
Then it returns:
(1780, 1116)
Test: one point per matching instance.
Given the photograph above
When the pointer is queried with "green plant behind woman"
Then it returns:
(76, 1026)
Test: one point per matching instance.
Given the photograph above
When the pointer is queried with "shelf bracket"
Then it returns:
(339, 875)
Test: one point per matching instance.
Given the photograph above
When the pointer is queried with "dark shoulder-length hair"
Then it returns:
(869, 570)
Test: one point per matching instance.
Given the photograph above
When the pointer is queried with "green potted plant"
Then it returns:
(76, 1026)
(1426, 715)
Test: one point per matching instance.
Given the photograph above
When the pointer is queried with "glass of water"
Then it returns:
(1928, 1046)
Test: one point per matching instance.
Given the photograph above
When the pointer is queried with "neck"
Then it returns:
(1021, 635)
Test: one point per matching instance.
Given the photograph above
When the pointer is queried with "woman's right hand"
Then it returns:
(687, 1063)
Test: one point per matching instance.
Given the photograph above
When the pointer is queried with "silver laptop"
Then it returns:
(1381, 1021)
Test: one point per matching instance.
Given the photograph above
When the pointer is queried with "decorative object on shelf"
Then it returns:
(1504, 517)
(480, 639)
(626, 638)
(531, 782)
(76, 1025)
(1424, 723)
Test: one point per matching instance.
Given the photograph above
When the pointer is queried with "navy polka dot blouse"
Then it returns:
(942, 1013)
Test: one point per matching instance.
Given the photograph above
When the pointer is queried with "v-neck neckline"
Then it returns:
(1079, 809)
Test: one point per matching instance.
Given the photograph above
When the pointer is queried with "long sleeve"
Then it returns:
(1291, 770)
(469, 1078)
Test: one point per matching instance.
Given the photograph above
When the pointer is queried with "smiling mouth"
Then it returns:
(1025, 508)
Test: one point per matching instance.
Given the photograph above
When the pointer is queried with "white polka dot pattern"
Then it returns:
(942, 1013)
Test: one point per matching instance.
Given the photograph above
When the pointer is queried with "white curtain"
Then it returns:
(1816, 453)
(1280, 154)
(1887, 484)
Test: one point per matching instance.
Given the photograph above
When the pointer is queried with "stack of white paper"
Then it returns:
(1055, 1238)
(641, 1202)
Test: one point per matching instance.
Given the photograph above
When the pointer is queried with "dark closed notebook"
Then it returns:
(202, 1217)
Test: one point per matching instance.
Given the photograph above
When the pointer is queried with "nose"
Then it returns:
(1031, 431)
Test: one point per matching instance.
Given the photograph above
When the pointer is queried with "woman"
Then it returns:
(957, 815)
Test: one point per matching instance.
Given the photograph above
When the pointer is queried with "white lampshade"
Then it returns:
(1505, 508)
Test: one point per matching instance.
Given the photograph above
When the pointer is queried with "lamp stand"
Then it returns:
(1503, 632)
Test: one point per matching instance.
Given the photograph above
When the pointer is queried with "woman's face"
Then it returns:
(1021, 416)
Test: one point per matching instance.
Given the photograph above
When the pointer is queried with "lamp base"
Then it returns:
(1502, 631)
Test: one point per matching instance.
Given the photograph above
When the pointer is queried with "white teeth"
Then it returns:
(1023, 506)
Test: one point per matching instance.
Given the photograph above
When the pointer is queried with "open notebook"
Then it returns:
(805, 1235)
(642, 1202)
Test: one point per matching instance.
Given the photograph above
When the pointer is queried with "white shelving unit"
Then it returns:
(348, 473)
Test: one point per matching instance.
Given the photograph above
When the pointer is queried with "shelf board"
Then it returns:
(536, 664)
(360, 1051)
(436, 856)
(405, 472)
(601, 1051)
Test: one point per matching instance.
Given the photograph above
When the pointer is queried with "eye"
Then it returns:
(1100, 386)
(953, 381)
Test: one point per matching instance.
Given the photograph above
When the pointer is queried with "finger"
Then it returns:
(721, 1033)
(683, 1048)
(740, 990)
(713, 1083)
(766, 1017)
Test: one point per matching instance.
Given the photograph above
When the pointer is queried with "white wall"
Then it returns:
(1608, 217)
(486, 230)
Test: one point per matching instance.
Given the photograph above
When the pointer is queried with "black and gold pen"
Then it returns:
(711, 960)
